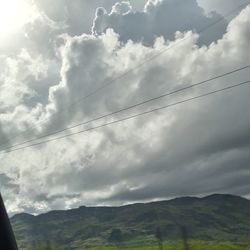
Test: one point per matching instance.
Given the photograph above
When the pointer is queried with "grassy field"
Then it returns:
(193, 245)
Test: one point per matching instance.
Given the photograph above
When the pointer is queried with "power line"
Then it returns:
(106, 84)
(128, 107)
(128, 117)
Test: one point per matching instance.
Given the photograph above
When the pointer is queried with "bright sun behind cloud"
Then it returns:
(14, 14)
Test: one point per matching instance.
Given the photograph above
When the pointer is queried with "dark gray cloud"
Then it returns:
(206, 155)
(7, 183)
(223, 6)
(164, 19)
(79, 14)
(159, 18)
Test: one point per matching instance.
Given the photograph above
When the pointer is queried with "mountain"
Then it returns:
(215, 217)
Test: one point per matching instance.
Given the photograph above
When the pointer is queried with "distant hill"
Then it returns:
(215, 217)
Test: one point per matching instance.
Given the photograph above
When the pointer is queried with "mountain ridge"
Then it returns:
(214, 217)
(137, 203)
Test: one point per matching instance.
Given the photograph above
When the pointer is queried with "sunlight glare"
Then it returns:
(13, 15)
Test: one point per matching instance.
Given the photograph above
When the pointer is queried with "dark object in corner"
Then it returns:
(7, 238)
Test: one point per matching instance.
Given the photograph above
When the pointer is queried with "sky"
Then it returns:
(65, 62)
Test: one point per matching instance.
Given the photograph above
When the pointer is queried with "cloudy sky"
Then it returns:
(64, 62)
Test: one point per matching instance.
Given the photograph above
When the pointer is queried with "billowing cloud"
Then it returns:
(159, 18)
(79, 14)
(198, 148)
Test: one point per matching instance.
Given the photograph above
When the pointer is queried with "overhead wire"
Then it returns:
(129, 107)
(115, 79)
(129, 117)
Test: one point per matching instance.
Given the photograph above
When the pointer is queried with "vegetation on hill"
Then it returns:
(193, 245)
(216, 218)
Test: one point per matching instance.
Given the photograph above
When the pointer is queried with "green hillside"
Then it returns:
(192, 245)
(218, 218)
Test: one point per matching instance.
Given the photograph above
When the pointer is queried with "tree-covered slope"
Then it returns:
(216, 217)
